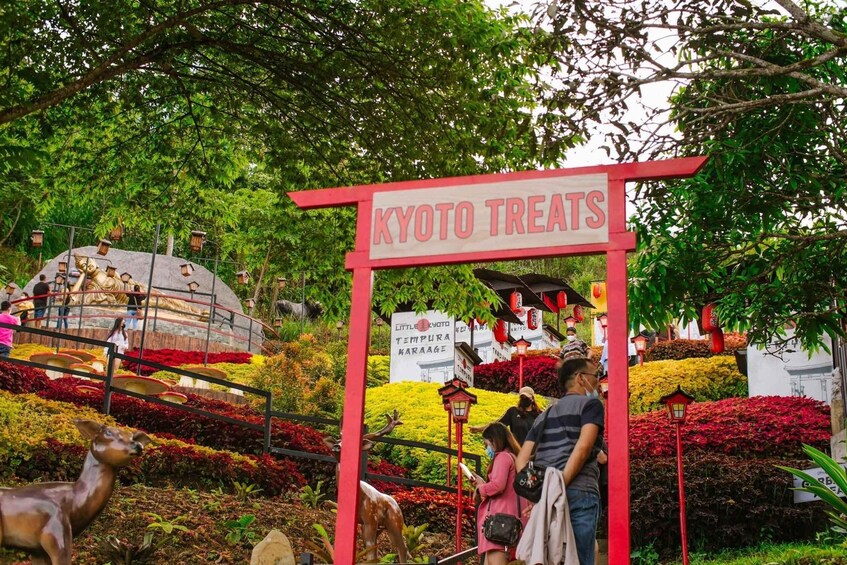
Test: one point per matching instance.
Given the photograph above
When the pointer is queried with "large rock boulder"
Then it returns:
(275, 549)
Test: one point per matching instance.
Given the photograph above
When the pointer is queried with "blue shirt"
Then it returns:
(562, 425)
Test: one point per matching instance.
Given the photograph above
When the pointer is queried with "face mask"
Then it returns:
(590, 392)
(571, 337)
(490, 451)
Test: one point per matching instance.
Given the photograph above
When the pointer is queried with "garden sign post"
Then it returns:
(499, 217)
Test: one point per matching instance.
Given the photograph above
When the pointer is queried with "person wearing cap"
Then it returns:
(518, 419)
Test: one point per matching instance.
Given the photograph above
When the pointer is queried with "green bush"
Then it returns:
(379, 370)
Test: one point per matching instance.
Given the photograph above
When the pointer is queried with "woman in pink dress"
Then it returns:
(497, 494)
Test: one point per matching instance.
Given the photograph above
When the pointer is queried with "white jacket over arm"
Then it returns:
(548, 538)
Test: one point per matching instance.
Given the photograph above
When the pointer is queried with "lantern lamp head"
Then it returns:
(521, 346)
(10, 289)
(186, 269)
(117, 232)
(243, 277)
(63, 266)
(126, 277)
(193, 286)
(460, 404)
(277, 322)
(281, 282)
(250, 303)
(36, 238)
(198, 238)
(103, 247)
(339, 324)
(59, 279)
(111, 271)
(677, 403)
(604, 320)
(570, 321)
(379, 322)
(640, 343)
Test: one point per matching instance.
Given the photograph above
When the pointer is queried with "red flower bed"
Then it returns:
(183, 425)
(730, 502)
(383, 467)
(687, 348)
(183, 466)
(539, 372)
(175, 357)
(436, 508)
(773, 426)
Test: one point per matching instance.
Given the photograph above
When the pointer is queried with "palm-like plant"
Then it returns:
(838, 506)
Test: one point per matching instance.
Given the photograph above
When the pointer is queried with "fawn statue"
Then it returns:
(377, 511)
(42, 519)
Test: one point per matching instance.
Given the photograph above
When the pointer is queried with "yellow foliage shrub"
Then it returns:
(712, 378)
(24, 350)
(425, 420)
(26, 421)
(379, 369)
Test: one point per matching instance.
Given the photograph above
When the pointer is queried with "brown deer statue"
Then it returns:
(43, 518)
(377, 511)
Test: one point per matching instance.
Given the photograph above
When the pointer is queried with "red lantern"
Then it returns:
(577, 313)
(717, 341)
(562, 299)
(501, 334)
(709, 318)
(533, 318)
(515, 301)
(596, 290)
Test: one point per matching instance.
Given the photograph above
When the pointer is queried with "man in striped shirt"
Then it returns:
(568, 438)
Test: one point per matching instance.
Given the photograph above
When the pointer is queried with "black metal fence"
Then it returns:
(265, 427)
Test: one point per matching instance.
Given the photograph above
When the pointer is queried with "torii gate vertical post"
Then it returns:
(499, 217)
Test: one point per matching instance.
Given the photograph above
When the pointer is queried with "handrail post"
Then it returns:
(363, 467)
(267, 444)
(307, 559)
(250, 337)
(156, 313)
(107, 386)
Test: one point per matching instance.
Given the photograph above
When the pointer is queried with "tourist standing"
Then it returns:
(41, 292)
(118, 337)
(497, 494)
(570, 440)
(573, 347)
(518, 419)
(7, 334)
(25, 309)
(133, 307)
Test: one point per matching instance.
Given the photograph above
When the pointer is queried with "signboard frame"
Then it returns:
(619, 242)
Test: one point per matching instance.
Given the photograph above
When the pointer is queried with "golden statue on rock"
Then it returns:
(107, 290)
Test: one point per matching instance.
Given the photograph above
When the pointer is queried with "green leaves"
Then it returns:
(838, 507)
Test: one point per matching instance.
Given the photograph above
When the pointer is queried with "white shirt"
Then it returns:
(121, 343)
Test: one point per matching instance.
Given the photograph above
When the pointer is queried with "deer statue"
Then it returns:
(377, 511)
(43, 518)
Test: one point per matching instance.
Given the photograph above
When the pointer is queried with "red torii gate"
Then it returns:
(492, 218)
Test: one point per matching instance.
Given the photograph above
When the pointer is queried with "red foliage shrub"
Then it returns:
(183, 466)
(383, 467)
(762, 426)
(436, 508)
(19, 379)
(687, 348)
(730, 502)
(175, 357)
(502, 376)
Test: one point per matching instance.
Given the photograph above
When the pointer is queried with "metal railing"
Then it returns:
(242, 328)
(309, 559)
(269, 414)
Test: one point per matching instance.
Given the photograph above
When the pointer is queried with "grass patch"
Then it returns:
(776, 554)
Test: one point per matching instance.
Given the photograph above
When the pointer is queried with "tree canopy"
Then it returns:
(200, 114)
(761, 90)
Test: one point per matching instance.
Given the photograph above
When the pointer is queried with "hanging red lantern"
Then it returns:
(577, 313)
(562, 299)
(717, 341)
(533, 318)
(515, 301)
(501, 334)
(709, 318)
(596, 290)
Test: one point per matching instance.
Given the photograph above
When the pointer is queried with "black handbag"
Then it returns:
(529, 481)
(503, 529)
